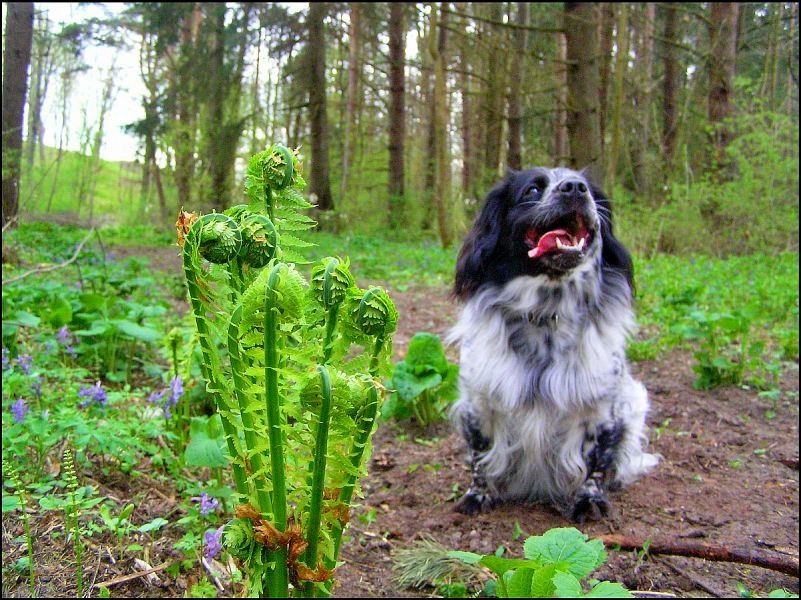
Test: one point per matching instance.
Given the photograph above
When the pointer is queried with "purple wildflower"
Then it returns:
(96, 393)
(6, 359)
(213, 542)
(64, 336)
(19, 410)
(207, 504)
(25, 363)
(177, 387)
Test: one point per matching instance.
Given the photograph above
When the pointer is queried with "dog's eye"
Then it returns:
(532, 193)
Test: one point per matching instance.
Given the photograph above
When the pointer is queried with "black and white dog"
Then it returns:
(547, 405)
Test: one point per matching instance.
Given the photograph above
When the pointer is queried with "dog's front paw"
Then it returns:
(590, 504)
(473, 503)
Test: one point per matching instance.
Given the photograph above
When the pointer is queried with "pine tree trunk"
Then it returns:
(397, 116)
(16, 59)
(582, 88)
(437, 45)
(606, 28)
(722, 59)
(621, 62)
(468, 151)
(561, 148)
(493, 115)
(319, 184)
(514, 158)
(354, 69)
(670, 88)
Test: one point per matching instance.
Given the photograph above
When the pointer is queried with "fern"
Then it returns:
(294, 369)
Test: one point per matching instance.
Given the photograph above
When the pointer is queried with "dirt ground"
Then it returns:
(728, 476)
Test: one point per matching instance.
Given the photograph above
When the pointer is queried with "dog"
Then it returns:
(547, 405)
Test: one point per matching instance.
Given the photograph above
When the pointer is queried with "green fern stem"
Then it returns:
(318, 478)
(248, 423)
(278, 584)
(365, 428)
(208, 370)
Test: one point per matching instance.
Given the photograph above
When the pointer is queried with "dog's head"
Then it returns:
(539, 222)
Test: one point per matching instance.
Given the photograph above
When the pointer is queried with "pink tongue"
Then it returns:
(547, 243)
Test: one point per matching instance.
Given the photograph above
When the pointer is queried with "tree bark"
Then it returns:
(493, 100)
(670, 89)
(319, 184)
(16, 59)
(437, 45)
(468, 151)
(561, 148)
(612, 155)
(606, 28)
(397, 116)
(514, 157)
(354, 68)
(583, 125)
(723, 53)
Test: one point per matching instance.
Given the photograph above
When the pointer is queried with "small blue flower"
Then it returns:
(64, 336)
(177, 387)
(213, 541)
(19, 410)
(96, 393)
(25, 362)
(207, 504)
(6, 359)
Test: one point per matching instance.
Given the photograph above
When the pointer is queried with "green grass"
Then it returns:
(117, 196)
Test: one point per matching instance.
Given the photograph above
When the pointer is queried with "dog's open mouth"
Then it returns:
(569, 234)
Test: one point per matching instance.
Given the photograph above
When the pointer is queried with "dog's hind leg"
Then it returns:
(600, 453)
(478, 495)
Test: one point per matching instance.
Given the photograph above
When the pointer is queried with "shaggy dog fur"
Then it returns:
(547, 405)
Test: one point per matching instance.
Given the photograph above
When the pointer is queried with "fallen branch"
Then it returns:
(52, 267)
(675, 547)
(124, 578)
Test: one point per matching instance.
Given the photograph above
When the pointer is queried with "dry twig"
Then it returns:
(676, 547)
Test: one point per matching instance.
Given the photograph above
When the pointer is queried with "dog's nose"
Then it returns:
(572, 186)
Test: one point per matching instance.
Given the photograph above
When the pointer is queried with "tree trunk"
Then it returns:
(319, 184)
(670, 89)
(468, 148)
(437, 45)
(606, 28)
(354, 68)
(723, 52)
(582, 88)
(397, 115)
(493, 106)
(42, 67)
(514, 158)
(642, 98)
(16, 59)
(621, 65)
(561, 149)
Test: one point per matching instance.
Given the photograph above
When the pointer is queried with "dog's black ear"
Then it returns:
(482, 240)
(614, 254)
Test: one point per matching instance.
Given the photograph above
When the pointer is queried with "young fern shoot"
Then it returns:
(289, 386)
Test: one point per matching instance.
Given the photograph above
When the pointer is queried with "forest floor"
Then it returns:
(728, 476)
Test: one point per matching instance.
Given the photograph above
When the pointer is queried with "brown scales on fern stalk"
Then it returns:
(292, 539)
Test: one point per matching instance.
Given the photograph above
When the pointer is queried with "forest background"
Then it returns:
(407, 113)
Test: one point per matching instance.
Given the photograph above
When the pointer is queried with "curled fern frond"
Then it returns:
(218, 237)
(276, 169)
(374, 313)
(289, 291)
(260, 240)
(330, 281)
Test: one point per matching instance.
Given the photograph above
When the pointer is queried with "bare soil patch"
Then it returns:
(728, 476)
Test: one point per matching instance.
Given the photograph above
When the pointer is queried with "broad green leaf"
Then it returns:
(22, 317)
(566, 585)
(608, 589)
(566, 544)
(499, 565)
(518, 585)
(154, 525)
(426, 352)
(59, 312)
(410, 385)
(138, 332)
(206, 444)
(542, 585)
(10, 503)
